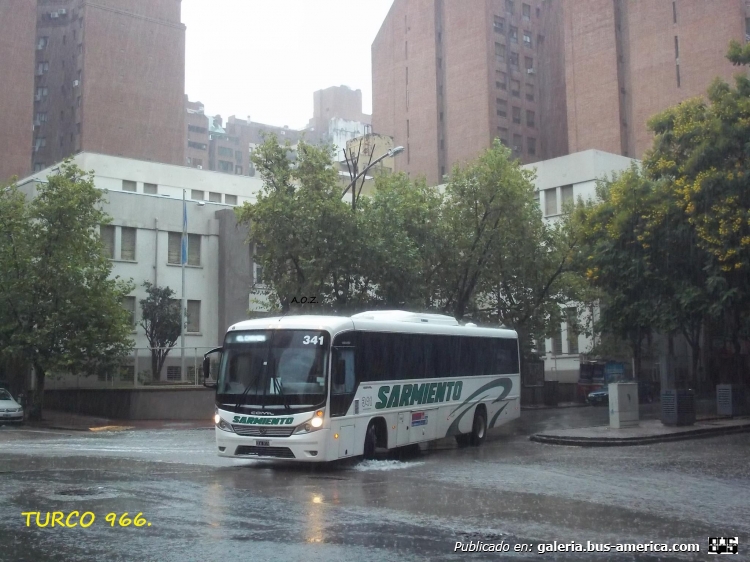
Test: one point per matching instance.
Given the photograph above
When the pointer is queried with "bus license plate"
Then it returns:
(262, 443)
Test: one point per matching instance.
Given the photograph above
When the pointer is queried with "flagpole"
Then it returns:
(183, 259)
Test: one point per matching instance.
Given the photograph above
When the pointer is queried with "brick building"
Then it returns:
(450, 77)
(109, 78)
(628, 60)
(17, 45)
(211, 144)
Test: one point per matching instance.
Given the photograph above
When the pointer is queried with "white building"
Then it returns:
(559, 181)
(144, 200)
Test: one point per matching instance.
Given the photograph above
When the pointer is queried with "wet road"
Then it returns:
(415, 507)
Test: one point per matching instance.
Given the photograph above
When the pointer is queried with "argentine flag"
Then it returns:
(184, 233)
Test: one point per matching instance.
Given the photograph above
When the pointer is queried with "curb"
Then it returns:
(533, 408)
(630, 441)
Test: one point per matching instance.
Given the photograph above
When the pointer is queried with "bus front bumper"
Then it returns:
(310, 447)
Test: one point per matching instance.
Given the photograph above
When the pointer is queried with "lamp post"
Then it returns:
(355, 175)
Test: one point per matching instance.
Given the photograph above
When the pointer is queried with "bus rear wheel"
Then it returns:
(371, 441)
(479, 428)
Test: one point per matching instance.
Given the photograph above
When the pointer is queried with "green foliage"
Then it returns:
(61, 309)
(615, 259)
(161, 319)
(312, 242)
(406, 243)
(480, 249)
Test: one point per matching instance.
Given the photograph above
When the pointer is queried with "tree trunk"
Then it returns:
(155, 375)
(38, 399)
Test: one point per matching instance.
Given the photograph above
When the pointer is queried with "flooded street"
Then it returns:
(415, 506)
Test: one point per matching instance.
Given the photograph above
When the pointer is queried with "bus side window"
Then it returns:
(343, 379)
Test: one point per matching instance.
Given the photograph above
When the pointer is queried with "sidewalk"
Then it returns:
(76, 422)
(647, 432)
(559, 405)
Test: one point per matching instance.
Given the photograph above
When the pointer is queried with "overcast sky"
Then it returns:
(265, 58)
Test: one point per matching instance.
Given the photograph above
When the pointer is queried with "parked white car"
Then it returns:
(10, 410)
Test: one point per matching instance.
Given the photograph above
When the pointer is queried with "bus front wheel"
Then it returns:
(479, 428)
(371, 441)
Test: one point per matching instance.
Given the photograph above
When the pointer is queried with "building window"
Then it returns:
(571, 322)
(39, 142)
(128, 185)
(41, 93)
(197, 145)
(196, 194)
(527, 38)
(550, 202)
(41, 43)
(509, 6)
(230, 199)
(530, 92)
(528, 62)
(517, 144)
(238, 170)
(174, 372)
(193, 316)
(128, 303)
(214, 197)
(197, 129)
(127, 243)
(238, 156)
(38, 166)
(41, 117)
(513, 34)
(225, 166)
(674, 11)
(41, 68)
(150, 188)
(500, 52)
(514, 59)
(515, 88)
(676, 47)
(499, 24)
(502, 107)
(538, 12)
(557, 342)
(566, 194)
(517, 115)
(526, 12)
(502, 134)
(107, 234)
(530, 146)
(501, 79)
(530, 118)
(194, 248)
(224, 151)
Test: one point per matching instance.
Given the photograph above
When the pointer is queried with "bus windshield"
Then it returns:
(274, 368)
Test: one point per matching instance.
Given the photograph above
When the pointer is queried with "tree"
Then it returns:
(161, 319)
(311, 239)
(616, 262)
(700, 151)
(61, 309)
(480, 202)
(406, 243)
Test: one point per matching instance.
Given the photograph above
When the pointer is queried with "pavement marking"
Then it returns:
(111, 428)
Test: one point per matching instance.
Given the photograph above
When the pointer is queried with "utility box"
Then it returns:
(732, 400)
(623, 405)
(677, 407)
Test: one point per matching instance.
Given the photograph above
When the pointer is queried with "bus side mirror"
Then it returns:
(207, 369)
(339, 375)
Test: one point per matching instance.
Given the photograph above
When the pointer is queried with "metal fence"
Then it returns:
(136, 371)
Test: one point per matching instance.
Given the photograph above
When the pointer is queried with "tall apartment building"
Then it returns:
(626, 61)
(17, 44)
(449, 77)
(211, 144)
(109, 78)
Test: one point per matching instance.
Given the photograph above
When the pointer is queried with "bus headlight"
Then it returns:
(221, 424)
(313, 425)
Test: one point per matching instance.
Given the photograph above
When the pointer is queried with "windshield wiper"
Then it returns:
(278, 386)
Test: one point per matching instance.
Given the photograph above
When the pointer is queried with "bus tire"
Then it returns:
(371, 441)
(478, 428)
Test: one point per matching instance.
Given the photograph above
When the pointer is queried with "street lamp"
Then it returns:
(355, 175)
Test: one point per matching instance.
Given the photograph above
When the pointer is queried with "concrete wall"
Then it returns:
(135, 404)
(235, 271)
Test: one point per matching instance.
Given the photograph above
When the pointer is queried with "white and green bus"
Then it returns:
(322, 388)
